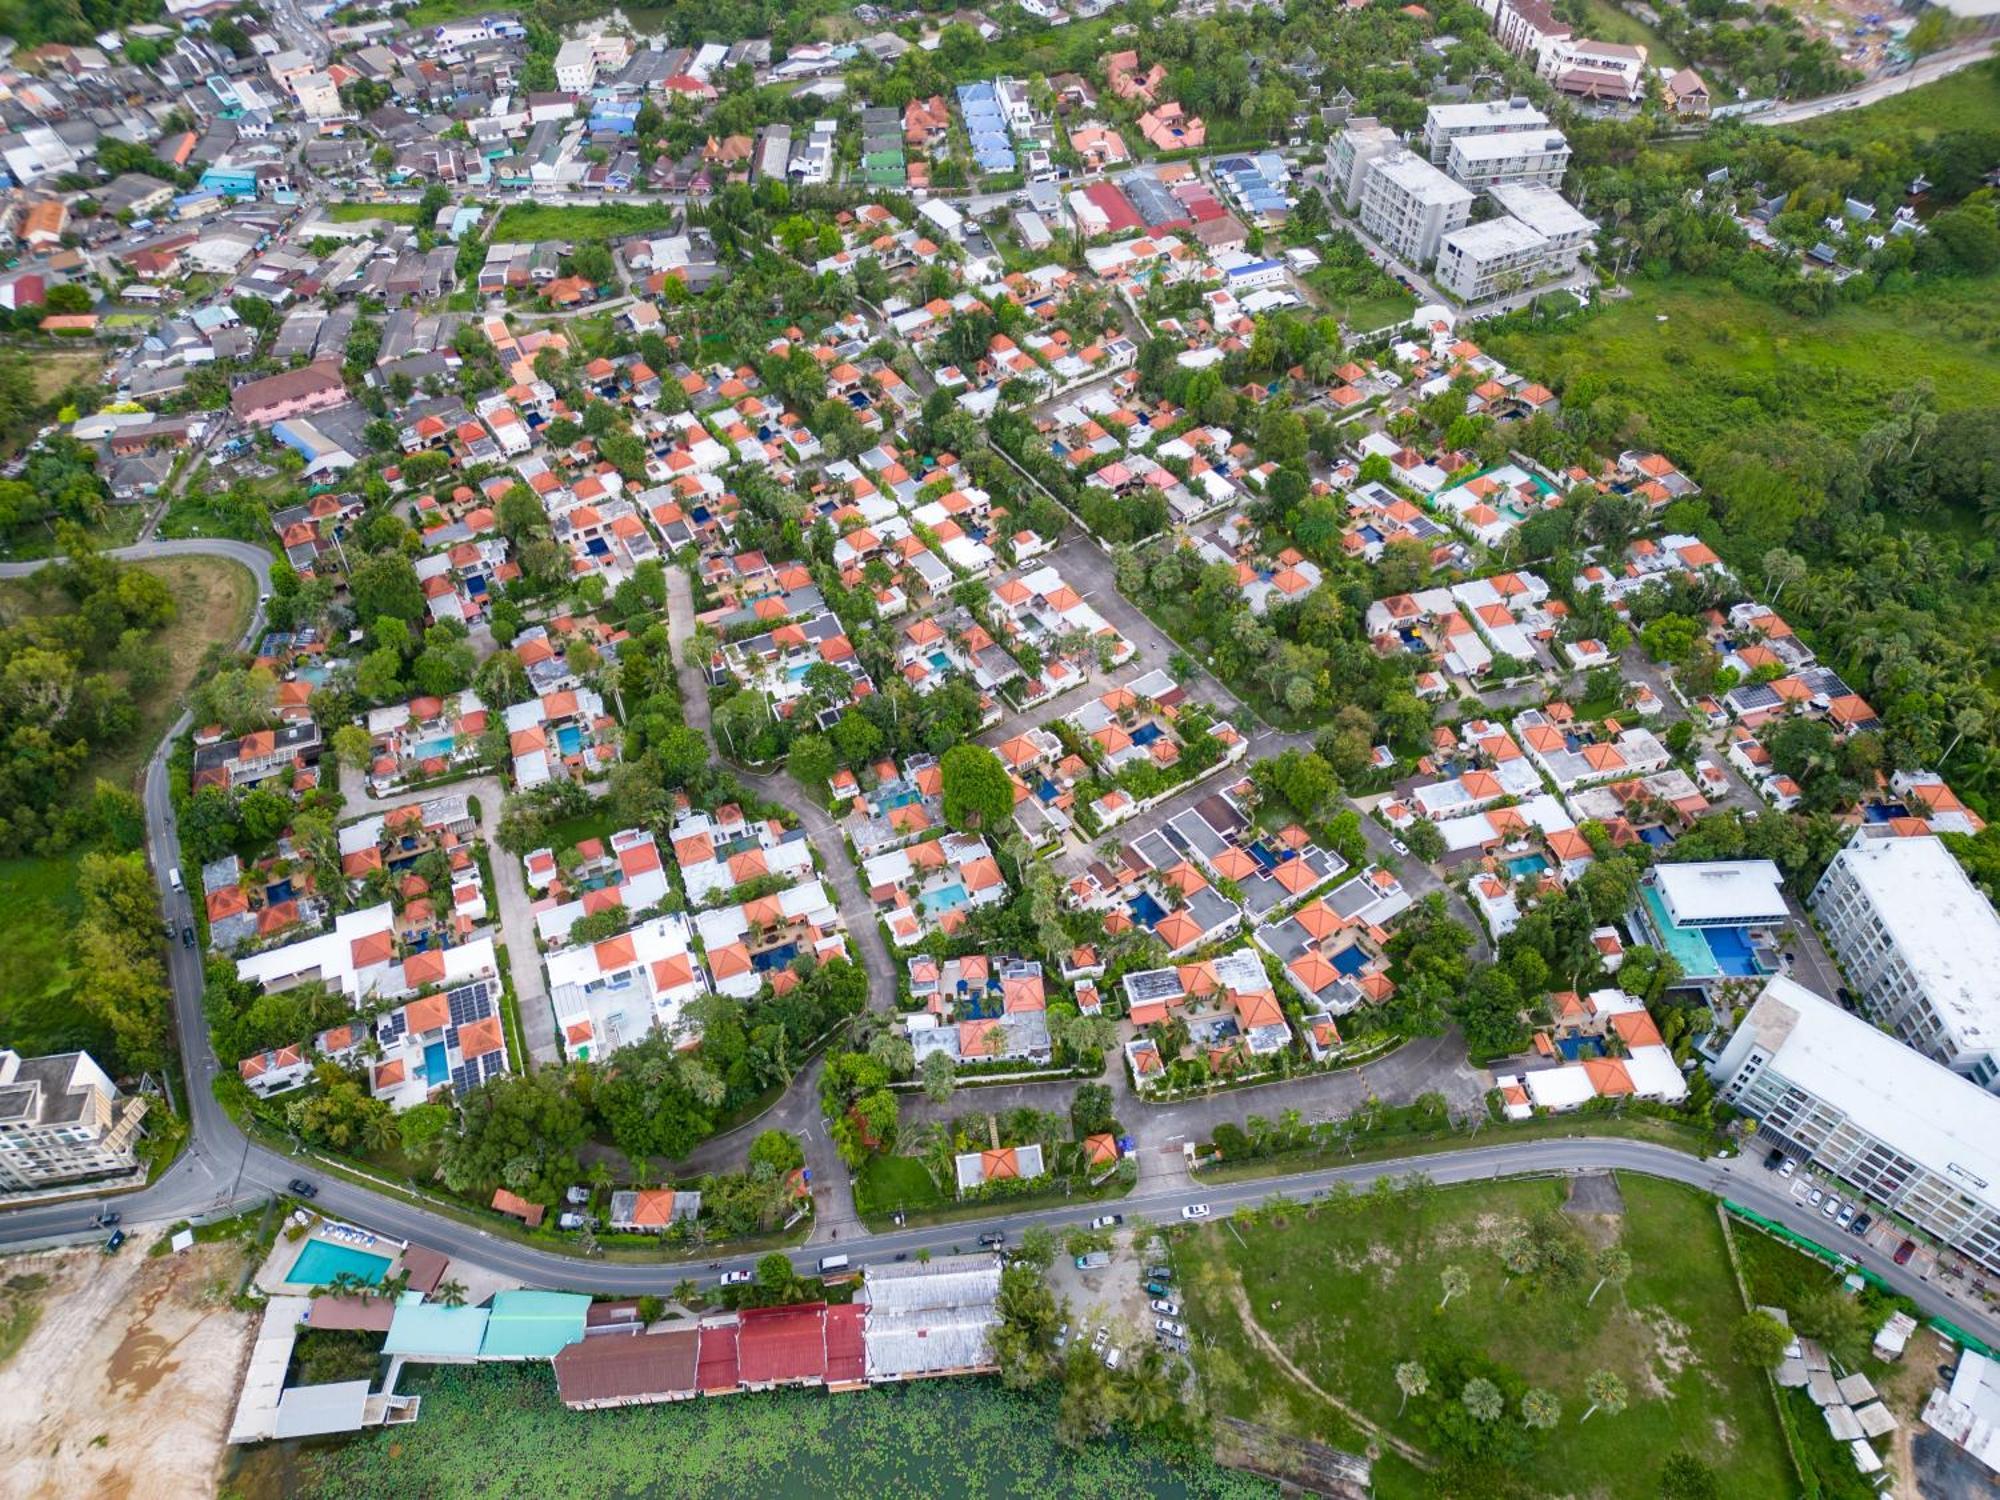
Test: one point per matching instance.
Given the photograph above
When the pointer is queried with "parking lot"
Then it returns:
(1839, 1209)
(1109, 1306)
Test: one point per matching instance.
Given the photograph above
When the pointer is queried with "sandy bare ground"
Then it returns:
(125, 1388)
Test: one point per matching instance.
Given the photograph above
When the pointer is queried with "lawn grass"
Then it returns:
(1366, 314)
(1348, 1293)
(887, 1183)
(1723, 362)
(1966, 100)
(360, 213)
(552, 221)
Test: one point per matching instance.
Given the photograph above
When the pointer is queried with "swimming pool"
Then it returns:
(441, 746)
(437, 1064)
(1527, 864)
(1146, 910)
(569, 739)
(322, 1260)
(944, 898)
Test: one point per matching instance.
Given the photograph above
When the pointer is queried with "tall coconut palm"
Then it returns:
(1482, 1398)
(450, 1293)
(1456, 1282)
(1540, 1409)
(1606, 1392)
(1613, 1264)
(1412, 1379)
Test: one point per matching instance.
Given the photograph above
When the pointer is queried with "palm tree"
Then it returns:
(1456, 1283)
(346, 1284)
(1482, 1398)
(1149, 1391)
(1613, 1264)
(1519, 1257)
(1606, 1392)
(1540, 1409)
(450, 1293)
(1412, 1379)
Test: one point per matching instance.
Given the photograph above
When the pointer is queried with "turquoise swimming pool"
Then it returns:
(322, 1260)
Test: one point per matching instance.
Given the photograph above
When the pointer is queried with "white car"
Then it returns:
(1813, 1197)
(1400, 847)
(1788, 1168)
(735, 1278)
(1831, 1207)
(1195, 1211)
(1169, 1327)
(1107, 1221)
(1163, 1305)
(1112, 1358)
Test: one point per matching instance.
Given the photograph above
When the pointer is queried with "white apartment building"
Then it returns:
(1445, 123)
(1921, 946)
(62, 1120)
(1409, 205)
(1525, 28)
(578, 61)
(1490, 259)
(1361, 143)
(1486, 161)
(1911, 1136)
(1550, 215)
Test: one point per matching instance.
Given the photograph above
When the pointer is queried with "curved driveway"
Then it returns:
(223, 1168)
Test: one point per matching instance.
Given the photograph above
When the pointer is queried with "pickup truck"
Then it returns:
(1097, 1260)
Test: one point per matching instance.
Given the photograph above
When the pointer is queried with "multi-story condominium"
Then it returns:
(1445, 123)
(1597, 72)
(1487, 161)
(578, 61)
(1525, 28)
(1826, 1087)
(62, 1120)
(1921, 947)
(1490, 259)
(1409, 205)
(1364, 139)
(1550, 215)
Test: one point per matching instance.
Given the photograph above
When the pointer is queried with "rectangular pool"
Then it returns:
(437, 1064)
(944, 898)
(569, 739)
(322, 1260)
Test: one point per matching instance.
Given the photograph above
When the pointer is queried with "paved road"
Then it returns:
(1929, 70)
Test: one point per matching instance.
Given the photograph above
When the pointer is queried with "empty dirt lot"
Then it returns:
(125, 1387)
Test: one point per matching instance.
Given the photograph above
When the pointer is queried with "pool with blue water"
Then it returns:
(322, 1260)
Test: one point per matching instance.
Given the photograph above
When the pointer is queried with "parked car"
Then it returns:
(1774, 1161)
(1159, 1273)
(1169, 1327)
(577, 1195)
(111, 1245)
(1112, 1358)
(303, 1189)
(1166, 1306)
(1830, 1207)
(1099, 1339)
(1814, 1195)
(1788, 1168)
(1195, 1211)
(1846, 1214)
(1400, 847)
(1157, 1289)
(1904, 1251)
(187, 937)
(569, 1221)
(735, 1278)
(1107, 1221)
(1861, 1223)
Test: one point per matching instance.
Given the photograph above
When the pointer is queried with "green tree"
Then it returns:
(978, 794)
(1760, 1340)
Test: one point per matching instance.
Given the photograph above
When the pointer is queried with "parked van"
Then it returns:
(174, 877)
(832, 1263)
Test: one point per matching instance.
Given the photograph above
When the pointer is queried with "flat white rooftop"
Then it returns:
(1944, 927)
(1504, 145)
(1741, 892)
(1542, 209)
(1421, 180)
(1921, 1108)
(1490, 114)
(1494, 238)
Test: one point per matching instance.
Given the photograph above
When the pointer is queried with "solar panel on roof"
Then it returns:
(461, 1081)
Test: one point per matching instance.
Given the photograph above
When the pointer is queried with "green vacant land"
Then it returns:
(357, 213)
(1607, 21)
(38, 907)
(1347, 1293)
(551, 221)
(887, 1183)
(1700, 361)
(1967, 100)
(499, 1429)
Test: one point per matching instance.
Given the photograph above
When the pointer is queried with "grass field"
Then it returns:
(1606, 21)
(550, 221)
(1346, 1295)
(357, 213)
(887, 1183)
(1967, 100)
(1700, 361)
(56, 369)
